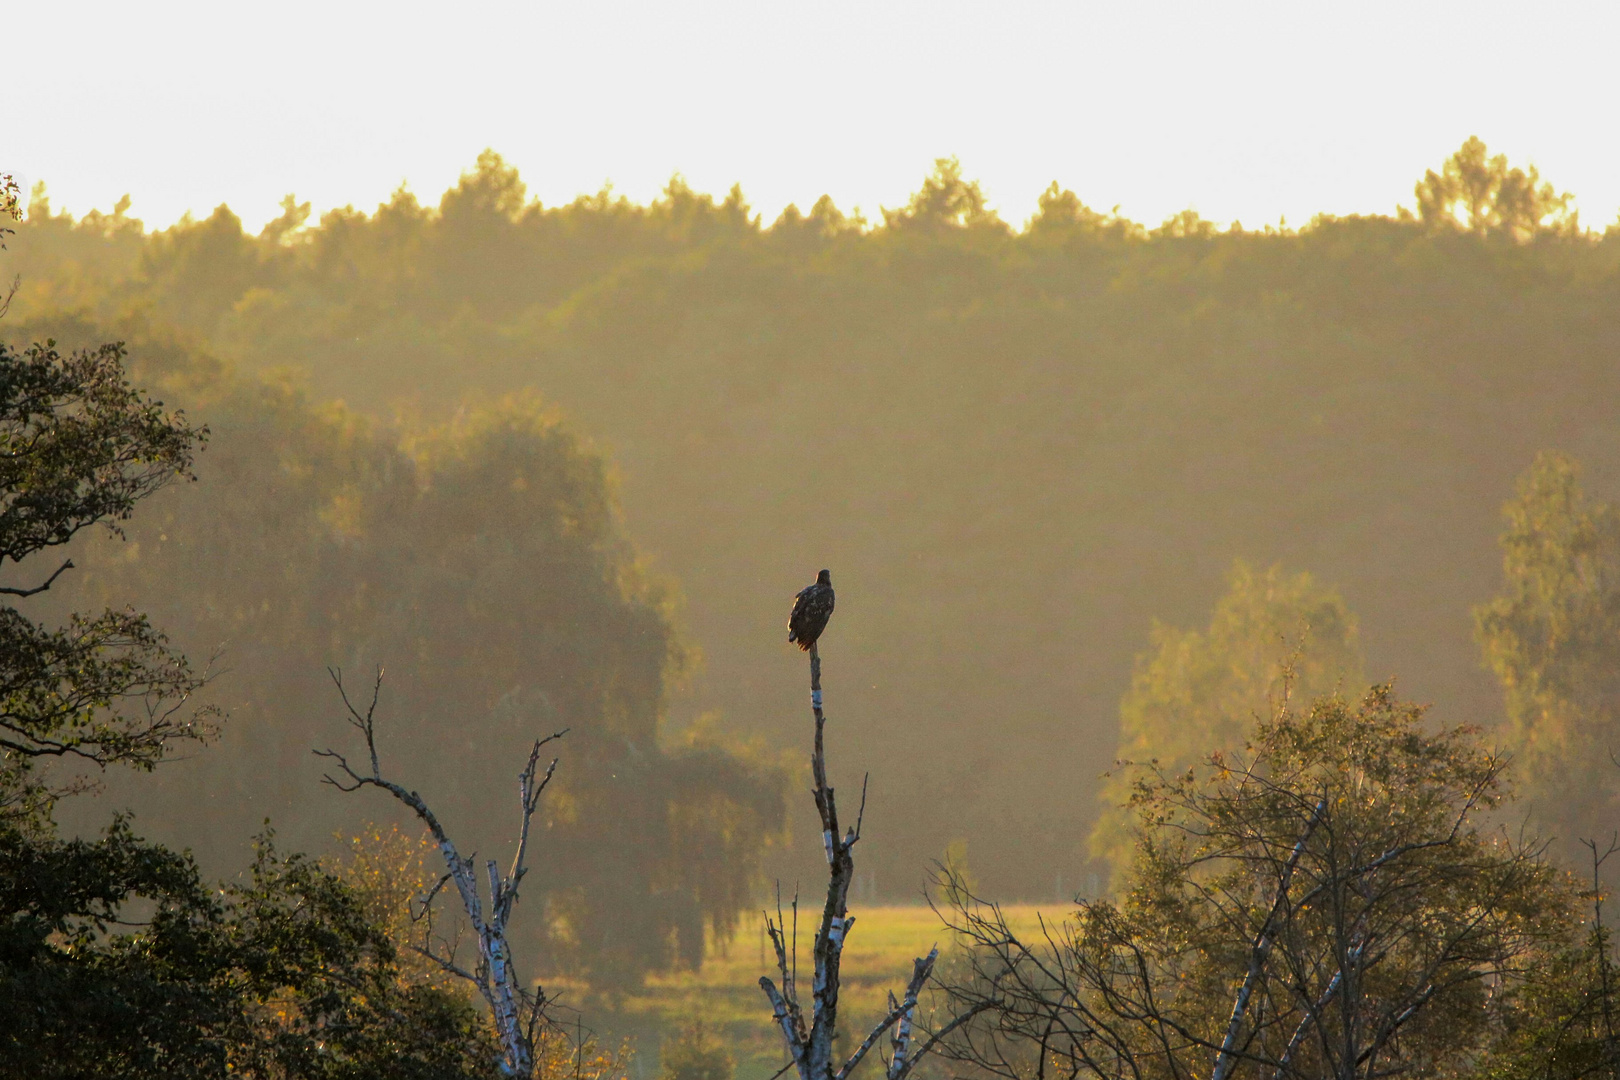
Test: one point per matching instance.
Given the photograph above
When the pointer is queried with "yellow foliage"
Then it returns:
(1271, 636)
(393, 871)
(1552, 636)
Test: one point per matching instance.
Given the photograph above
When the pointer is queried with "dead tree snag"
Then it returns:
(518, 1012)
(810, 1045)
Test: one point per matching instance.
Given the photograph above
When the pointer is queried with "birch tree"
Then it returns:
(810, 1040)
(518, 1012)
(1333, 902)
(1197, 691)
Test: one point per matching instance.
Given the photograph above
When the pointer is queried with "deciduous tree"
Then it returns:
(79, 447)
(1331, 901)
(1552, 636)
(1271, 634)
(1483, 195)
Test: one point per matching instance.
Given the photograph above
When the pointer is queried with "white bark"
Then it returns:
(496, 976)
(1227, 1058)
(811, 1050)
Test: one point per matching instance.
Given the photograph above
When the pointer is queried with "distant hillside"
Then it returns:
(1013, 447)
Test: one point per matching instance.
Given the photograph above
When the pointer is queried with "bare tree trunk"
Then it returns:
(516, 1011)
(811, 1048)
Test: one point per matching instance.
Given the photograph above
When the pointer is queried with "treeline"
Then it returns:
(1015, 446)
(1312, 877)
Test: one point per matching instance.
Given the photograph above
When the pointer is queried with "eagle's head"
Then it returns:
(824, 578)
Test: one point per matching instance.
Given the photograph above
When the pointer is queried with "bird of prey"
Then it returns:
(811, 609)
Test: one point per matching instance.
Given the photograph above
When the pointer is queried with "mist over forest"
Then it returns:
(1087, 487)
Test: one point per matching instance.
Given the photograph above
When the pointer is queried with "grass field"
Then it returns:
(726, 996)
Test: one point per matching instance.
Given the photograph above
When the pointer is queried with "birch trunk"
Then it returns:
(495, 977)
(810, 1049)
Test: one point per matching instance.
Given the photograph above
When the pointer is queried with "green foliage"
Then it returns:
(280, 976)
(947, 200)
(79, 446)
(481, 558)
(1332, 900)
(11, 208)
(85, 1004)
(1061, 216)
(115, 959)
(1022, 442)
(1449, 909)
(1271, 637)
(1562, 1023)
(696, 1054)
(301, 944)
(1553, 639)
(391, 871)
(955, 864)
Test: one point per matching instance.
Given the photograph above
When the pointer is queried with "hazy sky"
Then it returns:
(1245, 111)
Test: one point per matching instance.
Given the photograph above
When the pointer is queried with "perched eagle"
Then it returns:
(811, 610)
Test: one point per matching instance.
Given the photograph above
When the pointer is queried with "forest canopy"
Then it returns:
(1017, 447)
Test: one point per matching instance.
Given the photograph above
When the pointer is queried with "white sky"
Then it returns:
(1241, 110)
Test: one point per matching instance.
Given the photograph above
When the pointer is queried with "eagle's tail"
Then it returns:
(804, 646)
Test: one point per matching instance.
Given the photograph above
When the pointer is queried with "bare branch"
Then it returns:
(939, 1036)
(66, 565)
(529, 798)
(784, 1014)
(811, 1047)
(899, 1012)
(448, 965)
(516, 1012)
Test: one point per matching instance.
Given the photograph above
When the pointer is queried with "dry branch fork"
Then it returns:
(810, 1047)
(517, 1012)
